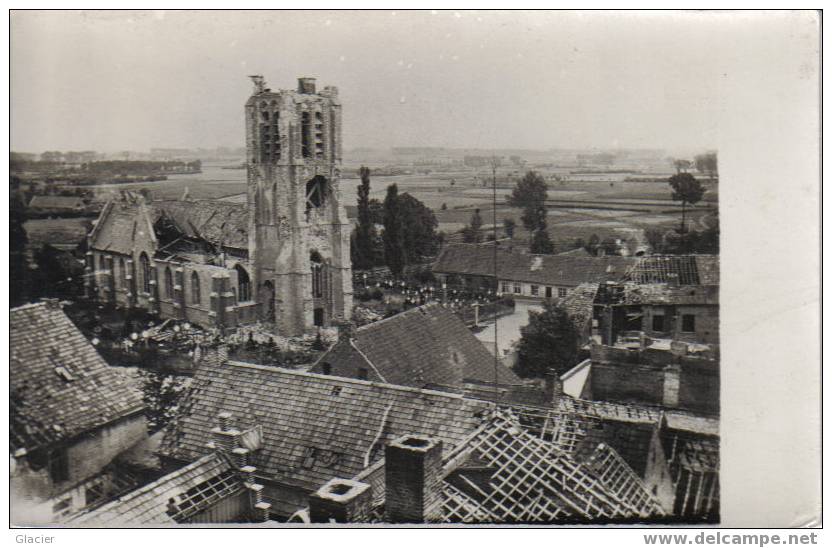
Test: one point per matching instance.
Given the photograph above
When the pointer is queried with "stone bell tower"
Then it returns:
(299, 236)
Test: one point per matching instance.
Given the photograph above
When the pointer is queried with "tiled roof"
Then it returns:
(59, 386)
(117, 226)
(555, 270)
(428, 346)
(215, 221)
(634, 293)
(578, 304)
(149, 505)
(687, 269)
(315, 427)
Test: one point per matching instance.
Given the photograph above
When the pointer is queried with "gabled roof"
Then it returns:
(172, 498)
(427, 346)
(555, 270)
(56, 202)
(216, 222)
(315, 427)
(59, 386)
(532, 481)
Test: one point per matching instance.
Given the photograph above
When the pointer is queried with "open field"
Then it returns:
(604, 206)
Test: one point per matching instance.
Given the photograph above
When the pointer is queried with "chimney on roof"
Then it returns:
(226, 438)
(413, 479)
(553, 386)
(306, 86)
(341, 501)
(670, 395)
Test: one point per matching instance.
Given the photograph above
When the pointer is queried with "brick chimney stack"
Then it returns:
(413, 476)
(553, 387)
(341, 501)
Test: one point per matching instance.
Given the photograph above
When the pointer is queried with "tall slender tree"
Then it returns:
(394, 253)
(365, 232)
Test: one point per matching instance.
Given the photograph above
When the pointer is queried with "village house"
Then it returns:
(662, 297)
(282, 258)
(57, 205)
(523, 276)
(71, 417)
(575, 463)
(424, 347)
(301, 429)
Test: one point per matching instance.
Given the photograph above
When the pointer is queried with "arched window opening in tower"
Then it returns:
(123, 271)
(168, 283)
(305, 135)
(196, 295)
(146, 274)
(243, 284)
(316, 190)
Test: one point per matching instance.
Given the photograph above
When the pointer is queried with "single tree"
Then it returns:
(418, 228)
(655, 239)
(529, 194)
(394, 251)
(686, 189)
(593, 244)
(471, 234)
(365, 232)
(541, 244)
(509, 225)
(549, 341)
(681, 165)
(706, 163)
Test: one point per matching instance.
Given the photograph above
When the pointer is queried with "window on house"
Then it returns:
(535, 290)
(196, 295)
(688, 323)
(518, 288)
(168, 283)
(243, 283)
(146, 274)
(363, 374)
(505, 287)
(59, 465)
(548, 292)
(658, 322)
(561, 292)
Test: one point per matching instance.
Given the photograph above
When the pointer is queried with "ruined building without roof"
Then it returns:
(282, 258)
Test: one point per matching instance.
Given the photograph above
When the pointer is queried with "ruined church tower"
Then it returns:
(299, 236)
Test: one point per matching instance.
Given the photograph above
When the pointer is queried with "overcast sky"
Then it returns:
(117, 81)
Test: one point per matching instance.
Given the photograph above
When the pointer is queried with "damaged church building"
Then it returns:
(282, 258)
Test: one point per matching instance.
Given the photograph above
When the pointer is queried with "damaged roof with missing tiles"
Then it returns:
(60, 386)
(422, 347)
(578, 304)
(172, 498)
(314, 427)
(553, 270)
(530, 480)
(216, 222)
(680, 269)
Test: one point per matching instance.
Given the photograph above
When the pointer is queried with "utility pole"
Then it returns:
(495, 162)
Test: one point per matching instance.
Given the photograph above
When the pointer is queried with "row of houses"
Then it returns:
(357, 439)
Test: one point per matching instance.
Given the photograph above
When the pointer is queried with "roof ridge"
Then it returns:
(27, 306)
(348, 380)
(410, 311)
